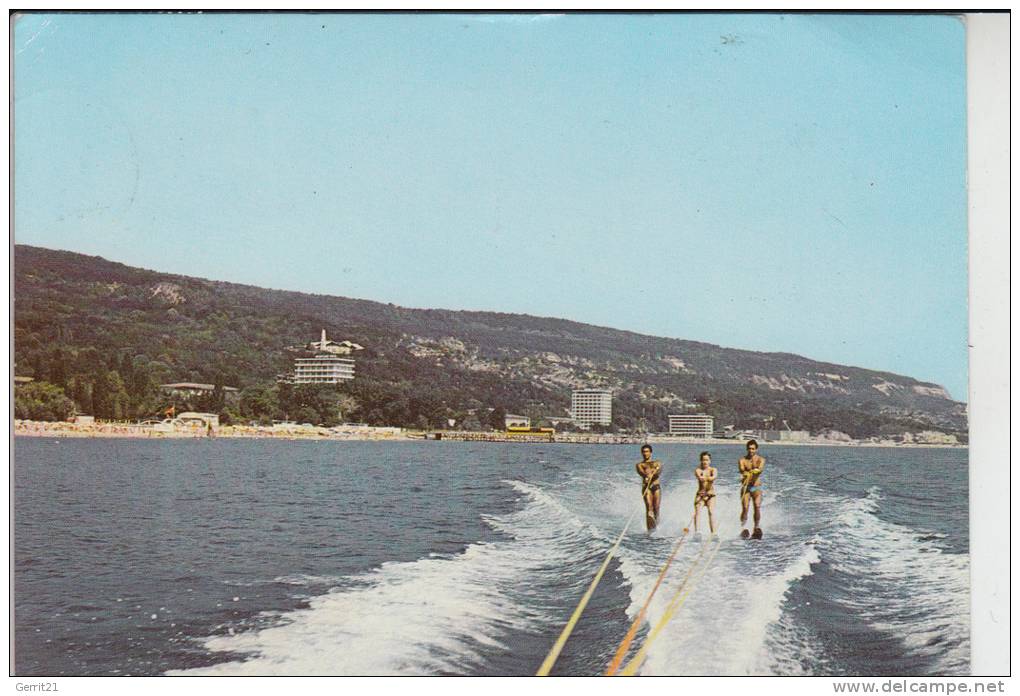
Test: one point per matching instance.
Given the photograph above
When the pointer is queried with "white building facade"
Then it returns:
(512, 420)
(591, 407)
(691, 425)
(327, 366)
(786, 435)
(323, 369)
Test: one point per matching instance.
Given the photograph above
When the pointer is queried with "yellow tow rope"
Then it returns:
(675, 603)
(557, 647)
(621, 651)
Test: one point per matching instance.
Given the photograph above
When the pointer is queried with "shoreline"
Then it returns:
(390, 434)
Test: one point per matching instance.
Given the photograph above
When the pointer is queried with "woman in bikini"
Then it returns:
(649, 469)
(705, 495)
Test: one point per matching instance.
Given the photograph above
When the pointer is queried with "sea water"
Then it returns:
(242, 557)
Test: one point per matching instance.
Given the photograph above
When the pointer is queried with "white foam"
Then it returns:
(792, 651)
(440, 614)
(723, 625)
(432, 615)
(303, 580)
(908, 586)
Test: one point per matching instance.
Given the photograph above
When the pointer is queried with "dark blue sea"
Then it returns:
(243, 557)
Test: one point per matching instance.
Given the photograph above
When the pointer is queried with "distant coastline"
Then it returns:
(25, 428)
(416, 368)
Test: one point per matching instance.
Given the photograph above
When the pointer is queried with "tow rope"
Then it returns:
(621, 651)
(675, 603)
(557, 647)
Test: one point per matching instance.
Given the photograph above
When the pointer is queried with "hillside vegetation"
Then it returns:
(108, 335)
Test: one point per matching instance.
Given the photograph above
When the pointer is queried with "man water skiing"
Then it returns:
(751, 467)
(649, 469)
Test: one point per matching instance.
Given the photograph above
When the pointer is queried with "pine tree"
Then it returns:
(101, 395)
(58, 368)
(219, 399)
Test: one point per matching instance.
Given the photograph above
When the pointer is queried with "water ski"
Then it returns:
(744, 534)
(757, 533)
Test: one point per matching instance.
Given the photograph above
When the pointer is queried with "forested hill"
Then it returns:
(77, 316)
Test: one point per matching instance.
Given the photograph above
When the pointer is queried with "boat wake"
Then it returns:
(435, 615)
(759, 608)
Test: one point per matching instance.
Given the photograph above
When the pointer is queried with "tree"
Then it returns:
(346, 404)
(427, 406)
(81, 392)
(42, 401)
(307, 414)
(230, 415)
(258, 402)
(126, 369)
(38, 370)
(100, 406)
(322, 400)
(219, 398)
(497, 418)
(144, 397)
(471, 423)
(88, 362)
(58, 368)
(118, 401)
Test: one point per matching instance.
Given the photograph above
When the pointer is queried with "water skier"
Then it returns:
(649, 469)
(751, 467)
(705, 495)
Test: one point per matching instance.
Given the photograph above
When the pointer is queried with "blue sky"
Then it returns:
(771, 182)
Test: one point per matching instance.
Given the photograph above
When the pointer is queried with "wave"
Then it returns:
(494, 607)
(723, 625)
(903, 584)
(435, 615)
(899, 582)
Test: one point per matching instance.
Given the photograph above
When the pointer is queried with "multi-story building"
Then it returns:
(691, 425)
(591, 407)
(323, 369)
(326, 366)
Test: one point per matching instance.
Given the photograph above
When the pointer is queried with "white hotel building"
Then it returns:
(323, 369)
(691, 425)
(591, 406)
(326, 366)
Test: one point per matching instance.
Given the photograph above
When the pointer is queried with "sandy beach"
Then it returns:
(176, 431)
(27, 428)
